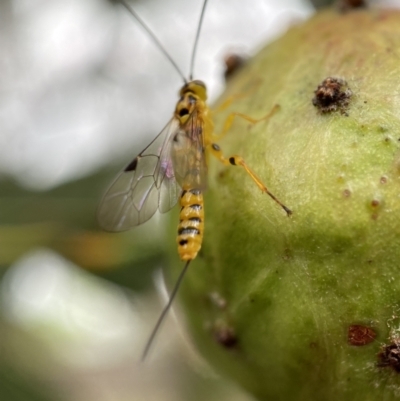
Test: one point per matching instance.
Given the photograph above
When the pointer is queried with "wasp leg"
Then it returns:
(236, 160)
(229, 120)
(225, 104)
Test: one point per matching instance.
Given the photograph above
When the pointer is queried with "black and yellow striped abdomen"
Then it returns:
(191, 223)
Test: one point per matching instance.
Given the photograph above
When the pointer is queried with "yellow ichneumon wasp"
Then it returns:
(172, 167)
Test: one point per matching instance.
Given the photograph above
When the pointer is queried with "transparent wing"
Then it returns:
(148, 183)
(188, 155)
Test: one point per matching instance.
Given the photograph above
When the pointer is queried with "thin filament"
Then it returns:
(164, 312)
(154, 37)
(196, 41)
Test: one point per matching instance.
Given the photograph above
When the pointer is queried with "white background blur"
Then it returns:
(81, 82)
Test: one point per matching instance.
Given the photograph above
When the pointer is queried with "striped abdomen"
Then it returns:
(191, 224)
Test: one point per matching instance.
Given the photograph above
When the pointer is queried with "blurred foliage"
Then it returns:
(63, 219)
(16, 387)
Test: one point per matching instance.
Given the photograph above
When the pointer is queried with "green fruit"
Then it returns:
(298, 308)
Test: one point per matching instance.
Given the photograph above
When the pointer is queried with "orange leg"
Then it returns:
(236, 160)
(232, 98)
(231, 117)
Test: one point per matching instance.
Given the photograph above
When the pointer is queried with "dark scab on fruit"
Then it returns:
(333, 94)
(359, 335)
(389, 356)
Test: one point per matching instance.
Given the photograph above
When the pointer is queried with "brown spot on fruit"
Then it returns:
(347, 5)
(375, 207)
(359, 335)
(333, 94)
(375, 203)
(389, 356)
(347, 193)
(233, 63)
(225, 336)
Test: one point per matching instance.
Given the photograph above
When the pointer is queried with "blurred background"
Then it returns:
(82, 91)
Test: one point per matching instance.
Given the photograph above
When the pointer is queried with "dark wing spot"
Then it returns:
(232, 161)
(132, 166)
(215, 147)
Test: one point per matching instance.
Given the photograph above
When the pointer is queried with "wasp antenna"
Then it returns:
(164, 312)
(196, 40)
(153, 36)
